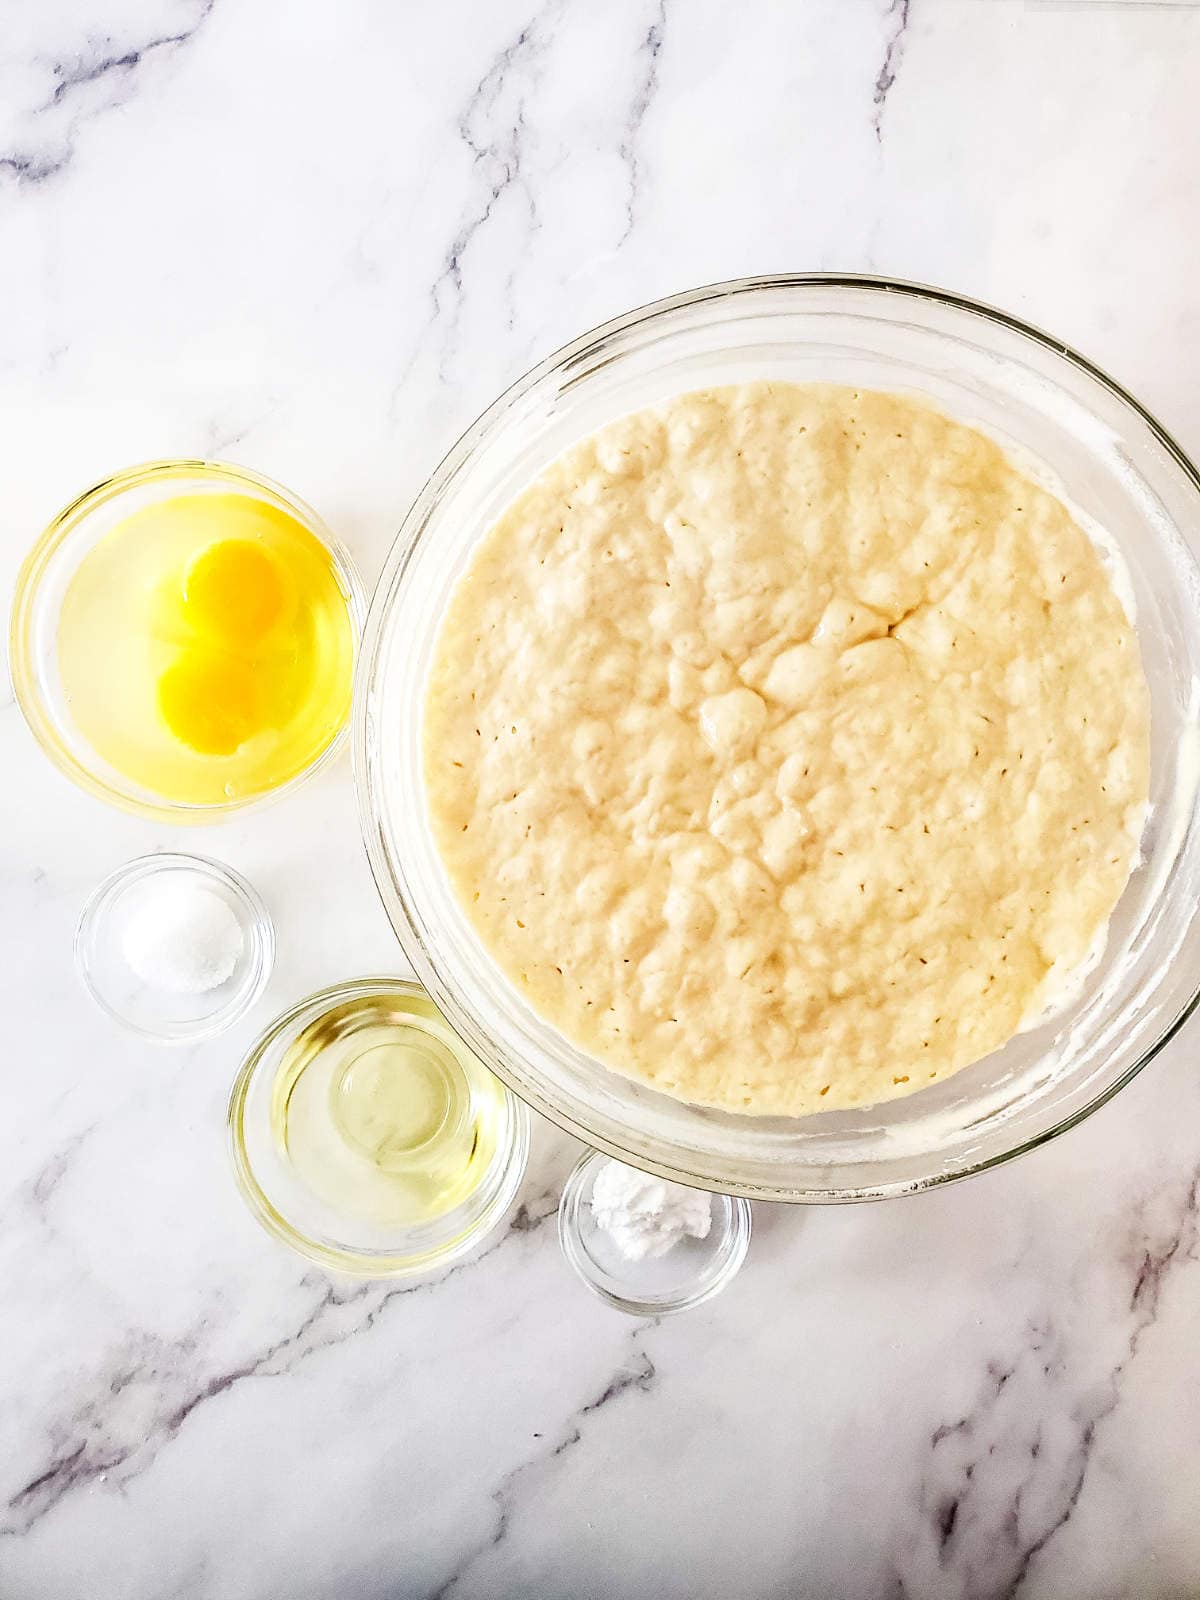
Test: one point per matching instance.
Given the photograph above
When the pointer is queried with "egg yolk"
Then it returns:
(234, 590)
(221, 690)
(209, 702)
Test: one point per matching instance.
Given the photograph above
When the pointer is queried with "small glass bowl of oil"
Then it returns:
(183, 638)
(366, 1135)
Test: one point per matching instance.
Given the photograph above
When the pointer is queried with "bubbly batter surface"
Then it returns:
(787, 746)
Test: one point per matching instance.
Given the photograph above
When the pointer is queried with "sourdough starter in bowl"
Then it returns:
(787, 746)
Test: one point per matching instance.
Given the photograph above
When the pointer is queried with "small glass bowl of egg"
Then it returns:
(183, 639)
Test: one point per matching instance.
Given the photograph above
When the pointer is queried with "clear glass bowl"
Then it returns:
(290, 1210)
(42, 584)
(1086, 437)
(159, 1014)
(688, 1274)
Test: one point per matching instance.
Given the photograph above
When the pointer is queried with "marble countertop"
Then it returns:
(317, 238)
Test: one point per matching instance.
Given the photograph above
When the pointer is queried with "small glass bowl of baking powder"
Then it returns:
(175, 947)
(688, 1272)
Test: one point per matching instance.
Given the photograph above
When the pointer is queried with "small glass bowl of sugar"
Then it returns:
(175, 947)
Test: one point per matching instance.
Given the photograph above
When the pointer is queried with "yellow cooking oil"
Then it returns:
(206, 647)
(382, 1112)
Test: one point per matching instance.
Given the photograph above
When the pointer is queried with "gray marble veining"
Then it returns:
(319, 239)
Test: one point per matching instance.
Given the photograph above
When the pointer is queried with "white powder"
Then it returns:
(179, 936)
(647, 1216)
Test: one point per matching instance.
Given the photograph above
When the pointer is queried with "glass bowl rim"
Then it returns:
(395, 903)
(44, 725)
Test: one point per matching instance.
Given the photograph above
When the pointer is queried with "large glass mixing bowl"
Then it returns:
(1067, 421)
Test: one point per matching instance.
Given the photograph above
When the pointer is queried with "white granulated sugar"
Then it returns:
(646, 1216)
(180, 936)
